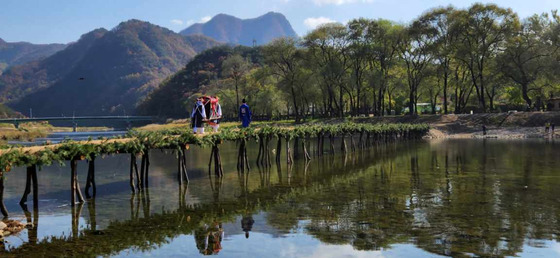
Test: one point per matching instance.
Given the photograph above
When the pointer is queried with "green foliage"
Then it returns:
(174, 96)
(456, 59)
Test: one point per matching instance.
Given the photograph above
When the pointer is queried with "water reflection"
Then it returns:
(209, 238)
(469, 197)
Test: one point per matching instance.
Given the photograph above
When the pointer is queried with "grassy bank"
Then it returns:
(31, 131)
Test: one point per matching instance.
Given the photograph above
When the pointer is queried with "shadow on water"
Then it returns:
(464, 197)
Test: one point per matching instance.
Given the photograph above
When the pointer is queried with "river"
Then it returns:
(412, 199)
(58, 137)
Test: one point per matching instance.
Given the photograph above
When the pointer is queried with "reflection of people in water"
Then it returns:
(209, 238)
(247, 224)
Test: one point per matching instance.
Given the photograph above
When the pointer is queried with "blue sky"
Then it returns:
(63, 21)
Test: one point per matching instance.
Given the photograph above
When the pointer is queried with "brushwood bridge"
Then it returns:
(138, 144)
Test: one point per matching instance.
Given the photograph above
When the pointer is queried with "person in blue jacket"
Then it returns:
(245, 114)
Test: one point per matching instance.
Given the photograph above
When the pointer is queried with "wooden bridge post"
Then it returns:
(132, 162)
(138, 181)
(179, 167)
(182, 165)
(278, 149)
(72, 182)
(90, 180)
(147, 166)
(215, 155)
(75, 186)
(31, 178)
(27, 190)
(35, 189)
(2, 206)
(185, 174)
(288, 151)
(142, 171)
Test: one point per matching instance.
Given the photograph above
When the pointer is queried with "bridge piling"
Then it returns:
(31, 177)
(2, 206)
(132, 162)
(184, 158)
(147, 166)
(90, 180)
(75, 187)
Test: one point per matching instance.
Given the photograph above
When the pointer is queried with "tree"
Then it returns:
(286, 62)
(527, 54)
(235, 67)
(359, 49)
(442, 20)
(329, 49)
(415, 47)
(384, 36)
(482, 30)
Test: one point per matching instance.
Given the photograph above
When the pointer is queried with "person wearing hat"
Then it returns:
(215, 114)
(198, 116)
(245, 114)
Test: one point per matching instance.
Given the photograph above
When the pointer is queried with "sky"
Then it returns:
(64, 21)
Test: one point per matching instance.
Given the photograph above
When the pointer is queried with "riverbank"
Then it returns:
(28, 132)
(495, 133)
(503, 125)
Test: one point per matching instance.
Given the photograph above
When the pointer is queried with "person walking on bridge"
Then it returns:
(215, 114)
(245, 114)
(198, 116)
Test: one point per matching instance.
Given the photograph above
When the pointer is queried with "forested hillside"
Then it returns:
(6, 112)
(174, 95)
(105, 72)
(17, 53)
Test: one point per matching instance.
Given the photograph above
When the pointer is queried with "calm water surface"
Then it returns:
(423, 199)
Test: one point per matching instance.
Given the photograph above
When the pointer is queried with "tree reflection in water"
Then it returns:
(452, 198)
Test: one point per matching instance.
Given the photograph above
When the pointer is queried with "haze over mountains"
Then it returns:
(227, 28)
(16, 53)
(110, 72)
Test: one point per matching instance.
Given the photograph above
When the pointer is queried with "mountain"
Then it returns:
(6, 112)
(168, 100)
(104, 72)
(21, 80)
(17, 53)
(227, 28)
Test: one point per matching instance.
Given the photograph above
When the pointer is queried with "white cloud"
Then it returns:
(205, 19)
(327, 251)
(312, 22)
(177, 22)
(202, 20)
(339, 2)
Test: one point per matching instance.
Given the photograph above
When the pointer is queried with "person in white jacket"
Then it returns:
(198, 116)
